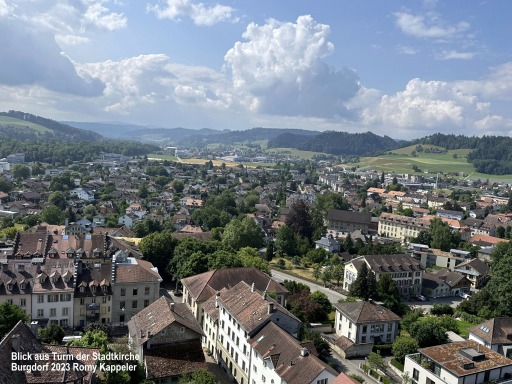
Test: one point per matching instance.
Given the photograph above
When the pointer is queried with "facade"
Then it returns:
(233, 317)
(400, 227)
(406, 271)
(329, 244)
(135, 285)
(430, 257)
(362, 324)
(341, 222)
(458, 363)
(199, 288)
(476, 271)
(444, 283)
(495, 334)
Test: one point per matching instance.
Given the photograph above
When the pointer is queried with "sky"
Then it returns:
(400, 68)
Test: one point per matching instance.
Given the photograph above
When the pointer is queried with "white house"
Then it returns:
(495, 334)
(82, 194)
(458, 363)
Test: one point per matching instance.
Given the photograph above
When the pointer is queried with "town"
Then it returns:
(310, 271)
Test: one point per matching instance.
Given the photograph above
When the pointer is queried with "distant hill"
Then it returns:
(336, 143)
(25, 126)
(142, 133)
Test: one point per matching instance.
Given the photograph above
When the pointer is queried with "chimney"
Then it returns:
(252, 287)
(171, 305)
(270, 308)
(304, 352)
(217, 299)
(15, 342)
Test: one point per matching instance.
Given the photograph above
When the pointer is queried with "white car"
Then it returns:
(421, 298)
(465, 295)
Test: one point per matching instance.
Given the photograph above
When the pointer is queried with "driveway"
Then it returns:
(333, 296)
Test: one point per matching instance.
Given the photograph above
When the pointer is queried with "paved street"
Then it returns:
(333, 296)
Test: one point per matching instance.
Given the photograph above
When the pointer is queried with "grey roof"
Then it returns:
(361, 312)
(350, 216)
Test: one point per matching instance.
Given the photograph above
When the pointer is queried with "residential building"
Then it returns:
(167, 338)
(444, 283)
(458, 363)
(279, 358)
(242, 312)
(476, 271)
(400, 227)
(495, 334)
(328, 243)
(135, 285)
(360, 325)
(341, 222)
(406, 271)
(431, 257)
(82, 194)
(199, 288)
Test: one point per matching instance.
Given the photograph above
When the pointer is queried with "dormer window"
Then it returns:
(82, 289)
(22, 286)
(93, 288)
(9, 287)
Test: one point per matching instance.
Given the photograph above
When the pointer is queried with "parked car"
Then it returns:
(465, 295)
(421, 298)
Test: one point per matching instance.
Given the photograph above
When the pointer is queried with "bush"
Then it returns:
(468, 317)
(383, 349)
(357, 377)
(442, 309)
(395, 363)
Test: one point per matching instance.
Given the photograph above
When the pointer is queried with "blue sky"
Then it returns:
(399, 68)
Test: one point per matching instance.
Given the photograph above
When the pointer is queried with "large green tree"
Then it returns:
(428, 332)
(285, 241)
(365, 285)
(52, 215)
(299, 219)
(201, 376)
(441, 235)
(403, 346)
(243, 233)
(158, 248)
(10, 314)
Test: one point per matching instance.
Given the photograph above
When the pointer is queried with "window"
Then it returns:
(390, 327)
(23, 302)
(40, 299)
(146, 290)
(121, 305)
(146, 303)
(322, 381)
(123, 291)
(9, 301)
(254, 369)
(65, 311)
(263, 379)
(53, 312)
(65, 297)
(364, 328)
(40, 313)
(415, 374)
(135, 291)
(104, 299)
(134, 304)
(82, 301)
(121, 318)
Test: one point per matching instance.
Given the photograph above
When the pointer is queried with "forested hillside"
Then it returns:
(337, 143)
(490, 154)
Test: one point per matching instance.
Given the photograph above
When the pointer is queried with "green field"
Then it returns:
(216, 163)
(402, 161)
(296, 152)
(11, 121)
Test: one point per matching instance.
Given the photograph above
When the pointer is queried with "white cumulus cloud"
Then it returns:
(428, 26)
(199, 13)
(279, 70)
(455, 55)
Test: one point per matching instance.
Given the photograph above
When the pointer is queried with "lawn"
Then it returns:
(11, 121)
(464, 328)
(296, 152)
(402, 161)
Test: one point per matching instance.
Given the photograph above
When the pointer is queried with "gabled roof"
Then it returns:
(494, 331)
(159, 315)
(349, 216)
(250, 307)
(477, 264)
(361, 312)
(286, 355)
(204, 285)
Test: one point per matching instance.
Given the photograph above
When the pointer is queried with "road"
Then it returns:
(333, 296)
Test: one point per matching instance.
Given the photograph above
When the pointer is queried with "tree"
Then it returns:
(441, 235)
(57, 199)
(146, 226)
(178, 186)
(21, 172)
(387, 289)
(251, 258)
(337, 273)
(348, 244)
(201, 376)
(403, 346)
(5, 185)
(269, 253)
(243, 233)
(376, 361)
(158, 248)
(285, 241)
(299, 219)
(317, 272)
(210, 217)
(53, 334)
(428, 332)
(322, 347)
(365, 285)
(317, 256)
(52, 215)
(10, 314)
(321, 299)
